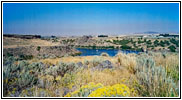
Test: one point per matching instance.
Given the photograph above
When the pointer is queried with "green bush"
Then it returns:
(61, 69)
(38, 48)
(139, 41)
(156, 42)
(76, 54)
(125, 47)
(166, 42)
(121, 42)
(174, 41)
(153, 80)
(149, 42)
(25, 57)
(172, 48)
(19, 76)
(162, 43)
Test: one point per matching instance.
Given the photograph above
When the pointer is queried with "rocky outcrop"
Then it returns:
(103, 65)
(41, 51)
(84, 39)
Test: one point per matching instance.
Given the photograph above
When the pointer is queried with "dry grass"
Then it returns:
(106, 77)
(171, 64)
(126, 61)
(17, 42)
(76, 59)
(168, 61)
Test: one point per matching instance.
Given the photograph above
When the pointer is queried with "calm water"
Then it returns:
(111, 52)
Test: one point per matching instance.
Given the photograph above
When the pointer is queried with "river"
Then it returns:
(111, 52)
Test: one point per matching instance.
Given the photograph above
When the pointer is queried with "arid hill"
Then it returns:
(35, 48)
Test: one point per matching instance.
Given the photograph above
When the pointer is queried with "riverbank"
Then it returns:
(98, 52)
(125, 43)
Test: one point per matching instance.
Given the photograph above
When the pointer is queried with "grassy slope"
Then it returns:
(15, 42)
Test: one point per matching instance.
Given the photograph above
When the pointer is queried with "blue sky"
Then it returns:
(62, 19)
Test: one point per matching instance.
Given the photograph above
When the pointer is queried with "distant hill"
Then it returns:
(22, 36)
(151, 32)
(148, 32)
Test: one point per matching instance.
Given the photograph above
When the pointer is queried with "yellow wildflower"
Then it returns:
(115, 90)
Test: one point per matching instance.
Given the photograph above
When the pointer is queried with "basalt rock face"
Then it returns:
(103, 65)
(41, 51)
(84, 39)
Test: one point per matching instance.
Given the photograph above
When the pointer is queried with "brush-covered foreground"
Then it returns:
(143, 75)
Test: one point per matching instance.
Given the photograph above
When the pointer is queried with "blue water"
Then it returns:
(111, 52)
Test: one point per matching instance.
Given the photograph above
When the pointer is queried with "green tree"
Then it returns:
(38, 48)
(172, 48)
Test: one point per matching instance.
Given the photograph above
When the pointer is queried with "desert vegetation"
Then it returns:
(52, 67)
(124, 75)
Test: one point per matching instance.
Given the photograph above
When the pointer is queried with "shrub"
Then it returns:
(126, 61)
(156, 42)
(38, 48)
(173, 72)
(16, 80)
(9, 54)
(162, 43)
(121, 42)
(67, 81)
(61, 69)
(172, 48)
(86, 62)
(97, 60)
(76, 54)
(149, 42)
(117, 90)
(174, 41)
(104, 54)
(84, 91)
(98, 90)
(26, 79)
(8, 60)
(139, 41)
(19, 76)
(45, 81)
(153, 80)
(166, 42)
(25, 57)
(125, 47)
(35, 92)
